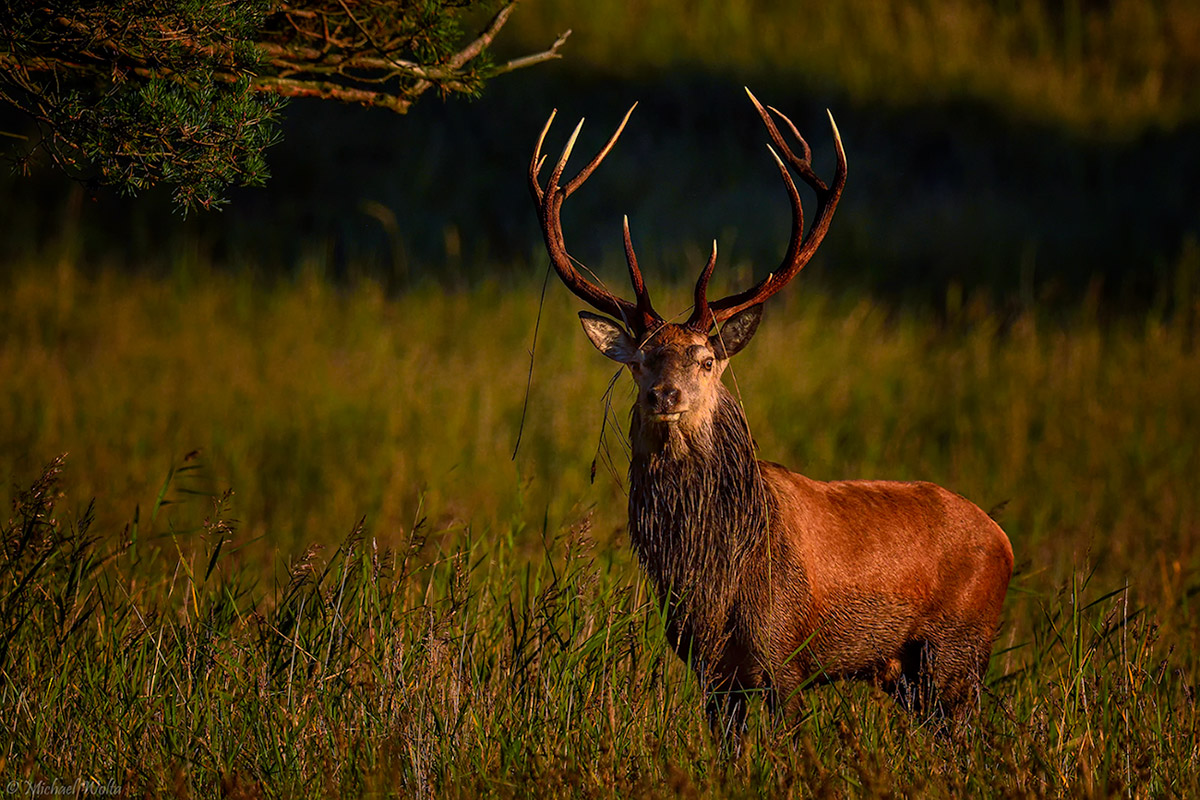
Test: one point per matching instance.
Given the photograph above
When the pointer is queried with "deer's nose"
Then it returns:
(662, 398)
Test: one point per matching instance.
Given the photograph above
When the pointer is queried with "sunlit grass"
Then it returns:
(485, 631)
(320, 405)
(1113, 68)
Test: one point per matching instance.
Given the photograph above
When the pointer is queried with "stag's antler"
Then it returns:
(640, 317)
(801, 248)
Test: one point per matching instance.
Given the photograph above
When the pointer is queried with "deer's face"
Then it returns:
(677, 369)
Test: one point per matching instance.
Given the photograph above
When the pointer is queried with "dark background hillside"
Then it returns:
(948, 184)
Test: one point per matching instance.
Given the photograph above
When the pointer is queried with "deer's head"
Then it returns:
(678, 367)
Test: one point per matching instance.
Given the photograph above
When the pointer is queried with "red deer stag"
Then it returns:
(772, 581)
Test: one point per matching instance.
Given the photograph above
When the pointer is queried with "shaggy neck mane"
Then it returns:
(697, 506)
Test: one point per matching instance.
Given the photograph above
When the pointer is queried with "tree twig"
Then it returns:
(548, 54)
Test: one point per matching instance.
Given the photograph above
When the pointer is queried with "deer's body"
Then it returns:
(771, 580)
(776, 581)
(891, 573)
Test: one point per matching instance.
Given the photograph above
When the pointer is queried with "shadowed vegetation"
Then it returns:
(969, 160)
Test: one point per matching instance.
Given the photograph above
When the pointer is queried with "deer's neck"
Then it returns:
(697, 507)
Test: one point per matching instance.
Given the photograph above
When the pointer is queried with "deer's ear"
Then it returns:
(609, 337)
(736, 332)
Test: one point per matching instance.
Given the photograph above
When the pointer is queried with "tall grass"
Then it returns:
(1114, 67)
(484, 631)
(463, 668)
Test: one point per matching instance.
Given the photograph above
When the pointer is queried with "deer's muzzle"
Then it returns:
(662, 402)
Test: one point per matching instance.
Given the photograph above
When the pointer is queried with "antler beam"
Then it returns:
(638, 316)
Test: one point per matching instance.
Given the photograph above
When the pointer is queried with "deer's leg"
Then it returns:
(958, 675)
(941, 680)
(786, 698)
(913, 688)
(725, 708)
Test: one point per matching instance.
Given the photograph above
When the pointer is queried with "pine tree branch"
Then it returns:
(137, 92)
(296, 70)
(328, 90)
(548, 54)
(472, 51)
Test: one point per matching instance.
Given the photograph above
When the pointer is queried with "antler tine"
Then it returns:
(641, 294)
(701, 319)
(587, 171)
(637, 317)
(562, 159)
(535, 163)
(807, 158)
(797, 205)
(801, 247)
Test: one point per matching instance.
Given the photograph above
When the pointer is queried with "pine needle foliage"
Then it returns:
(188, 92)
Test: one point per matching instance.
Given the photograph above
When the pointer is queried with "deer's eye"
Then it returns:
(707, 364)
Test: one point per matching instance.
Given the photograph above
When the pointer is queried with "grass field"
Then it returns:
(265, 535)
(483, 630)
(1114, 68)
